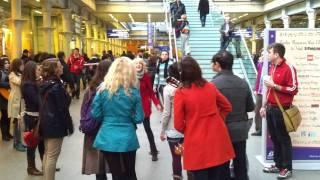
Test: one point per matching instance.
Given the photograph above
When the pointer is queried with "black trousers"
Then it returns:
(160, 92)
(122, 165)
(240, 166)
(147, 128)
(76, 79)
(257, 116)
(213, 173)
(225, 40)
(280, 138)
(30, 123)
(5, 123)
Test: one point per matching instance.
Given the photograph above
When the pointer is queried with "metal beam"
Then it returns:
(129, 7)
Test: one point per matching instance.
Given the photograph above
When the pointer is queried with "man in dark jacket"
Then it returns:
(25, 56)
(226, 31)
(66, 76)
(237, 91)
(177, 8)
(203, 9)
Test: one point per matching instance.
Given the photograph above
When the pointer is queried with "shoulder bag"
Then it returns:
(292, 116)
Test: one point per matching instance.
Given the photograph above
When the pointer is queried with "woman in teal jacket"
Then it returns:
(117, 106)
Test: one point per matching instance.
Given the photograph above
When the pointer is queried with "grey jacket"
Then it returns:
(237, 91)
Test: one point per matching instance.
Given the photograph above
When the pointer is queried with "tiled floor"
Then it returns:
(13, 164)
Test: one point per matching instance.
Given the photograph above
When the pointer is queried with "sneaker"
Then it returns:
(257, 133)
(285, 174)
(20, 147)
(271, 169)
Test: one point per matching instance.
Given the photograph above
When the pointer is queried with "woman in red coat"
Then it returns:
(147, 95)
(199, 112)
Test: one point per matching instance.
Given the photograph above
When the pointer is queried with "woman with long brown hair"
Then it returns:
(30, 93)
(14, 102)
(93, 160)
(199, 112)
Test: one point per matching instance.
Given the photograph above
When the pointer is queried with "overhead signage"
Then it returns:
(117, 33)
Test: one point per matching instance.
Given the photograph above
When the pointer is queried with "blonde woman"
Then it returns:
(147, 94)
(118, 106)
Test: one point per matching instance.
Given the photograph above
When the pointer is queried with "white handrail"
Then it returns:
(166, 5)
(168, 24)
(248, 52)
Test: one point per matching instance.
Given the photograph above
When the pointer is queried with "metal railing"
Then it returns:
(247, 51)
(170, 29)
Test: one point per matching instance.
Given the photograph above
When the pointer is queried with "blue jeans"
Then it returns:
(203, 19)
(176, 159)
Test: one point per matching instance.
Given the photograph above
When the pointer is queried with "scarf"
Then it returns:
(140, 74)
(165, 73)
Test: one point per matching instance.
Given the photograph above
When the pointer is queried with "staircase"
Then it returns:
(205, 42)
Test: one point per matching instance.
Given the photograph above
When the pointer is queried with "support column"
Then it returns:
(253, 39)
(285, 19)
(95, 39)
(47, 29)
(16, 45)
(103, 37)
(66, 31)
(267, 22)
(88, 38)
(311, 18)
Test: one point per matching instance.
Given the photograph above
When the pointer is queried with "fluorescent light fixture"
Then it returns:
(112, 17)
(6, 0)
(149, 17)
(132, 20)
(38, 0)
(123, 25)
(38, 12)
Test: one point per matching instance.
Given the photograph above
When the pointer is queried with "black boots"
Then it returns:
(190, 175)
(32, 170)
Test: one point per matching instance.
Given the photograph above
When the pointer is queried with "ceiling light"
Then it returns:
(38, 12)
(38, 0)
(112, 17)
(132, 20)
(123, 25)
(6, 0)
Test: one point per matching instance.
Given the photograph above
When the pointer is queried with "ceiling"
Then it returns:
(137, 17)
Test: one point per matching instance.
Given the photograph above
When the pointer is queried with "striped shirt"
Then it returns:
(159, 77)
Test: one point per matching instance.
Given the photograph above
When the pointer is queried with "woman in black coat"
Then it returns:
(203, 8)
(30, 93)
(4, 85)
(55, 119)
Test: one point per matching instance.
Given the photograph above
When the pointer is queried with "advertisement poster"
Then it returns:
(303, 52)
(150, 34)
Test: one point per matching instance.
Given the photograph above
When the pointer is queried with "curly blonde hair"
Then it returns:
(142, 62)
(122, 74)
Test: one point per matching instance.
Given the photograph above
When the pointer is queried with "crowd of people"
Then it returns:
(205, 123)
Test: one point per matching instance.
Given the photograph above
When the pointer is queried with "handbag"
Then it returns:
(292, 116)
(31, 138)
(178, 149)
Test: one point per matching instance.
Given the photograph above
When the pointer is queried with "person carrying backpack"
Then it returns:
(93, 160)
